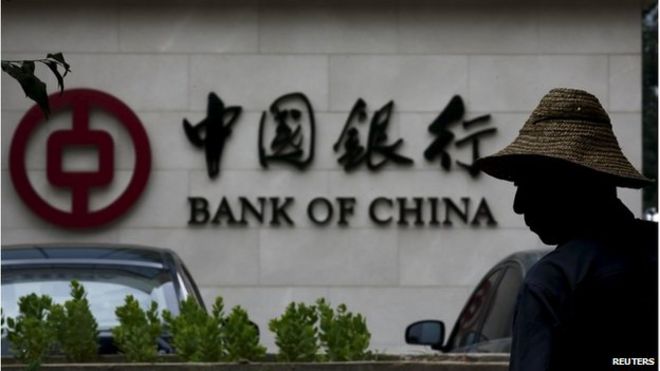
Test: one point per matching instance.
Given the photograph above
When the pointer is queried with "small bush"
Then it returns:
(138, 331)
(296, 333)
(196, 336)
(242, 337)
(344, 336)
(31, 334)
(75, 327)
(200, 337)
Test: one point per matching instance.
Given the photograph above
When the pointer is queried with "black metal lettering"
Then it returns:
(416, 210)
(288, 144)
(451, 207)
(346, 208)
(212, 132)
(378, 137)
(199, 211)
(483, 211)
(433, 201)
(474, 140)
(312, 207)
(280, 211)
(453, 112)
(248, 207)
(224, 211)
(355, 153)
(372, 210)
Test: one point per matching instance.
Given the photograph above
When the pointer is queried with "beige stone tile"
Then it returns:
(42, 27)
(256, 81)
(189, 28)
(212, 257)
(328, 257)
(415, 83)
(328, 28)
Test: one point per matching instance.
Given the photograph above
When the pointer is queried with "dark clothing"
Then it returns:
(591, 300)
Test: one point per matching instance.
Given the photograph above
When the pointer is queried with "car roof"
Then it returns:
(526, 258)
(88, 253)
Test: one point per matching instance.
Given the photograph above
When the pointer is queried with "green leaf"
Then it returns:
(60, 58)
(344, 335)
(197, 336)
(295, 332)
(33, 88)
(138, 331)
(28, 67)
(30, 335)
(75, 327)
(242, 337)
(60, 80)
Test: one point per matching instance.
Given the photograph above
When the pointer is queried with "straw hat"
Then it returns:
(570, 126)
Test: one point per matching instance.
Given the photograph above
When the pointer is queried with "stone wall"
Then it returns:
(163, 58)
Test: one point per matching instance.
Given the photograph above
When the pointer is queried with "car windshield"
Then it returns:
(106, 287)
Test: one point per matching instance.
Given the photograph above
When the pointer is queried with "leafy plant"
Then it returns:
(296, 334)
(35, 89)
(30, 334)
(3, 329)
(196, 336)
(343, 335)
(138, 331)
(76, 329)
(200, 337)
(242, 337)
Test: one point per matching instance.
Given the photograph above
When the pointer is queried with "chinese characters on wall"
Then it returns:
(287, 135)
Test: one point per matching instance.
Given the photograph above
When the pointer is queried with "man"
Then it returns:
(590, 304)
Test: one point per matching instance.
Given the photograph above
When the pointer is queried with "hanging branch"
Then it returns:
(35, 89)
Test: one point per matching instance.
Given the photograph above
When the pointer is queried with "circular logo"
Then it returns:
(80, 102)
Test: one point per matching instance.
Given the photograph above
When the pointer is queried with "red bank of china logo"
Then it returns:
(80, 102)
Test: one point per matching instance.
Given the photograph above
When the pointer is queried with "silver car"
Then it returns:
(109, 272)
(484, 325)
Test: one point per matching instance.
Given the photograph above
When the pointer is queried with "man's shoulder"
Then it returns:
(579, 259)
(648, 230)
(549, 273)
(564, 267)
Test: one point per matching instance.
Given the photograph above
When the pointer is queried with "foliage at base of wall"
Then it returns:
(43, 327)
(303, 333)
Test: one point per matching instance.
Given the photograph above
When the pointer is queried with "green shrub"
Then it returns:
(200, 337)
(196, 336)
(75, 327)
(138, 331)
(296, 334)
(242, 337)
(3, 328)
(343, 335)
(31, 334)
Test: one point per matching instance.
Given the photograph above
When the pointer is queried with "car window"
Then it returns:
(499, 319)
(106, 288)
(468, 325)
(190, 284)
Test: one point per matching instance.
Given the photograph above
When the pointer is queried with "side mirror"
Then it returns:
(256, 327)
(428, 332)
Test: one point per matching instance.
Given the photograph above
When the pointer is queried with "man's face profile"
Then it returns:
(541, 208)
(558, 203)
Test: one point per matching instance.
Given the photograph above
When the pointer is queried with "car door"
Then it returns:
(467, 330)
(486, 321)
(497, 326)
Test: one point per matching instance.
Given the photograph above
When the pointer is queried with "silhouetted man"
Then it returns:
(590, 304)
